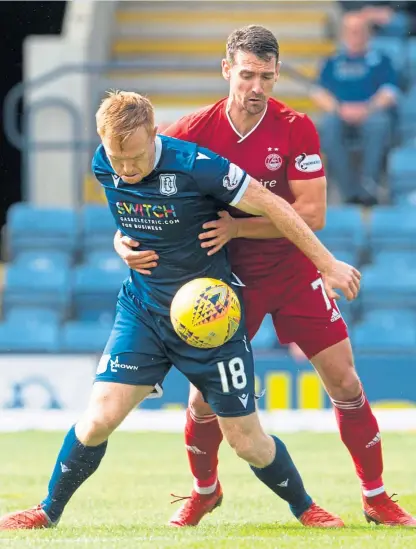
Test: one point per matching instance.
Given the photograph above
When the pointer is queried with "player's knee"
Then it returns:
(243, 446)
(254, 446)
(347, 386)
(93, 429)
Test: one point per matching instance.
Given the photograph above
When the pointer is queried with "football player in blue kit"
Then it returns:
(161, 191)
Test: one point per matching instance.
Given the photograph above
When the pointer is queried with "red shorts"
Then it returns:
(302, 312)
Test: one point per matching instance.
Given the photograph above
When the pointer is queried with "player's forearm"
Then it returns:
(262, 227)
(256, 228)
(292, 226)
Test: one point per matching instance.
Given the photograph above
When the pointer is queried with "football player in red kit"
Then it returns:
(280, 147)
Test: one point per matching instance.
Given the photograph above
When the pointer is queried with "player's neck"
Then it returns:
(243, 121)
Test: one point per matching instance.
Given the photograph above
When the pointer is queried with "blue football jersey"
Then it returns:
(166, 210)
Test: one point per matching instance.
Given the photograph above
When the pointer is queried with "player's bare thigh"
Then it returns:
(109, 405)
(197, 404)
(335, 366)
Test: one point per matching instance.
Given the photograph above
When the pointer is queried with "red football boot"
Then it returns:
(316, 517)
(26, 520)
(382, 509)
(196, 507)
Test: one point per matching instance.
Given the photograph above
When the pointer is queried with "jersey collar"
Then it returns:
(158, 151)
(242, 137)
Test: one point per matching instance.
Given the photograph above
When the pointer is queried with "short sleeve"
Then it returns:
(325, 77)
(218, 177)
(305, 157)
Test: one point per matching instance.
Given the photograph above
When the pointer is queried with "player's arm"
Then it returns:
(310, 204)
(217, 177)
(257, 200)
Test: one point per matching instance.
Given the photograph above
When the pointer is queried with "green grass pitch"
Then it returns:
(126, 504)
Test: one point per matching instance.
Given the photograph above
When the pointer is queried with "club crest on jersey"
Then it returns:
(168, 184)
(273, 161)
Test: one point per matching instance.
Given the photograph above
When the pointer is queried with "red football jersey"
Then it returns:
(283, 146)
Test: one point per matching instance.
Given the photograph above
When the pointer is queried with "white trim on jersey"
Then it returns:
(158, 150)
(242, 137)
(241, 191)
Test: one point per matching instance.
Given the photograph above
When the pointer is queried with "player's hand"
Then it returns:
(222, 231)
(343, 277)
(141, 262)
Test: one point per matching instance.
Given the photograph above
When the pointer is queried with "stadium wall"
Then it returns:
(49, 392)
(84, 39)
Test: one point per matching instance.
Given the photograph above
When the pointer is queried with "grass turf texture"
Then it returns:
(126, 504)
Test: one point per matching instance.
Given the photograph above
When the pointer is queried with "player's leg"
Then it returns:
(313, 322)
(203, 437)
(85, 444)
(359, 432)
(226, 378)
(123, 380)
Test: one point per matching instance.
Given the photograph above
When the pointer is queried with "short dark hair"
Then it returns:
(253, 39)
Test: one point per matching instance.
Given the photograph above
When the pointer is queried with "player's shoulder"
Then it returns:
(177, 154)
(100, 163)
(286, 115)
(203, 118)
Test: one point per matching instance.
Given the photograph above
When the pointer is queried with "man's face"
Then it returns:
(355, 34)
(251, 80)
(133, 159)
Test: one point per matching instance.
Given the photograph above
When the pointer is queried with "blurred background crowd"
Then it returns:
(350, 65)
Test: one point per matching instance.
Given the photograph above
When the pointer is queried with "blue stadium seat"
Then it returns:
(392, 47)
(411, 56)
(16, 337)
(95, 292)
(385, 288)
(406, 200)
(98, 228)
(31, 228)
(266, 338)
(401, 171)
(393, 229)
(392, 319)
(45, 287)
(406, 115)
(344, 229)
(108, 261)
(44, 259)
(33, 315)
(374, 336)
(84, 337)
(396, 260)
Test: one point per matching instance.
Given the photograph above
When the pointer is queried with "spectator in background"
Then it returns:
(388, 18)
(356, 89)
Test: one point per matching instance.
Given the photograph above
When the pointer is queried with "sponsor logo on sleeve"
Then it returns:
(308, 163)
(233, 178)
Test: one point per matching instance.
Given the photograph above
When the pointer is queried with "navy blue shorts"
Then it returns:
(143, 346)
